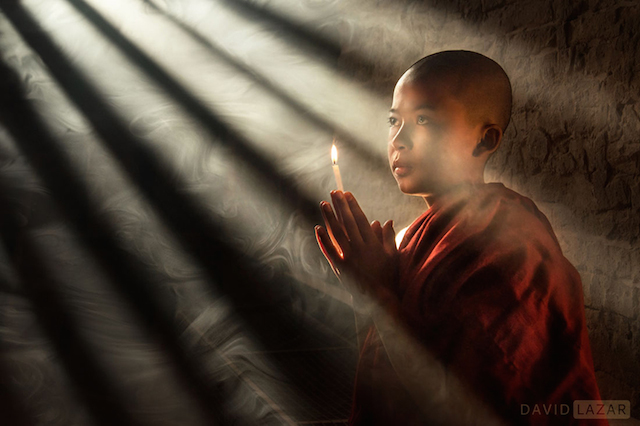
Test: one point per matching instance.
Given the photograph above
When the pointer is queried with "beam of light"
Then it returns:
(98, 237)
(259, 115)
(349, 107)
(164, 186)
(297, 107)
(244, 226)
(256, 193)
(86, 232)
(309, 245)
(323, 30)
(301, 32)
(211, 122)
(199, 110)
(225, 101)
(379, 58)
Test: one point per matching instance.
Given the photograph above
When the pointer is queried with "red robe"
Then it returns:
(484, 286)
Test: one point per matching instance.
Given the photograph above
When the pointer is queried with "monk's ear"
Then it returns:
(491, 137)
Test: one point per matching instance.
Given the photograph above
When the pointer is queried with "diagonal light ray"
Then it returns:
(254, 113)
(308, 42)
(204, 241)
(342, 132)
(210, 122)
(339, 101)
(98, 235)
(302, 206)
(351, 64)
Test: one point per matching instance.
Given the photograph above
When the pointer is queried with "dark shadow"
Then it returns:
(356, 145)
(237, 276)
(92, 385)
(13, 409)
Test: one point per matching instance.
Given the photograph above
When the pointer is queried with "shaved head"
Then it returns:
(475, 80)
(448, 115)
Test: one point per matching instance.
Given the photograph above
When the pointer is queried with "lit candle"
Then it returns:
(336, 169)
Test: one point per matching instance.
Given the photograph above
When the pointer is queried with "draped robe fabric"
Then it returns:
(484, 286)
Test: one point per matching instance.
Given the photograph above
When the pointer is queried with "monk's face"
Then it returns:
(431, 139)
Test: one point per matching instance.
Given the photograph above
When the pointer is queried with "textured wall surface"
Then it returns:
(573, 145)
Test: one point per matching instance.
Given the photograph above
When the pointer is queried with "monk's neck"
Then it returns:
(433, 197)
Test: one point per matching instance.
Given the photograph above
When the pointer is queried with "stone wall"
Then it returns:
(574, 142)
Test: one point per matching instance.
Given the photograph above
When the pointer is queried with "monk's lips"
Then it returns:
(402, 170)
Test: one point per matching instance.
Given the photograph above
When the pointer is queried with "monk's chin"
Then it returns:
(410, 189)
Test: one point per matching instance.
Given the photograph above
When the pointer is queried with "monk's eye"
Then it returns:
(422, 119)
(393, 121)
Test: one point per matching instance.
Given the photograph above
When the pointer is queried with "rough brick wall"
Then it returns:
(574, 142)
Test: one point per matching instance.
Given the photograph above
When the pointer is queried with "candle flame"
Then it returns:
(334, 154)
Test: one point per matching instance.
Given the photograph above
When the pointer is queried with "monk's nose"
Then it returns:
(402, 138)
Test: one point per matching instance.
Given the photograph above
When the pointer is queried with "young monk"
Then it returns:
(478, 318)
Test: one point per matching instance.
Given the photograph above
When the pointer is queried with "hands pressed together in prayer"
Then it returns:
(365, 253)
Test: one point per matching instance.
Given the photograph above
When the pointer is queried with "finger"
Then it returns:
(360, 218)
(377, 230)
(334, 228)
(328, 249)
(348, 221)
(326, 246)
(338, 213)
(389, 237)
